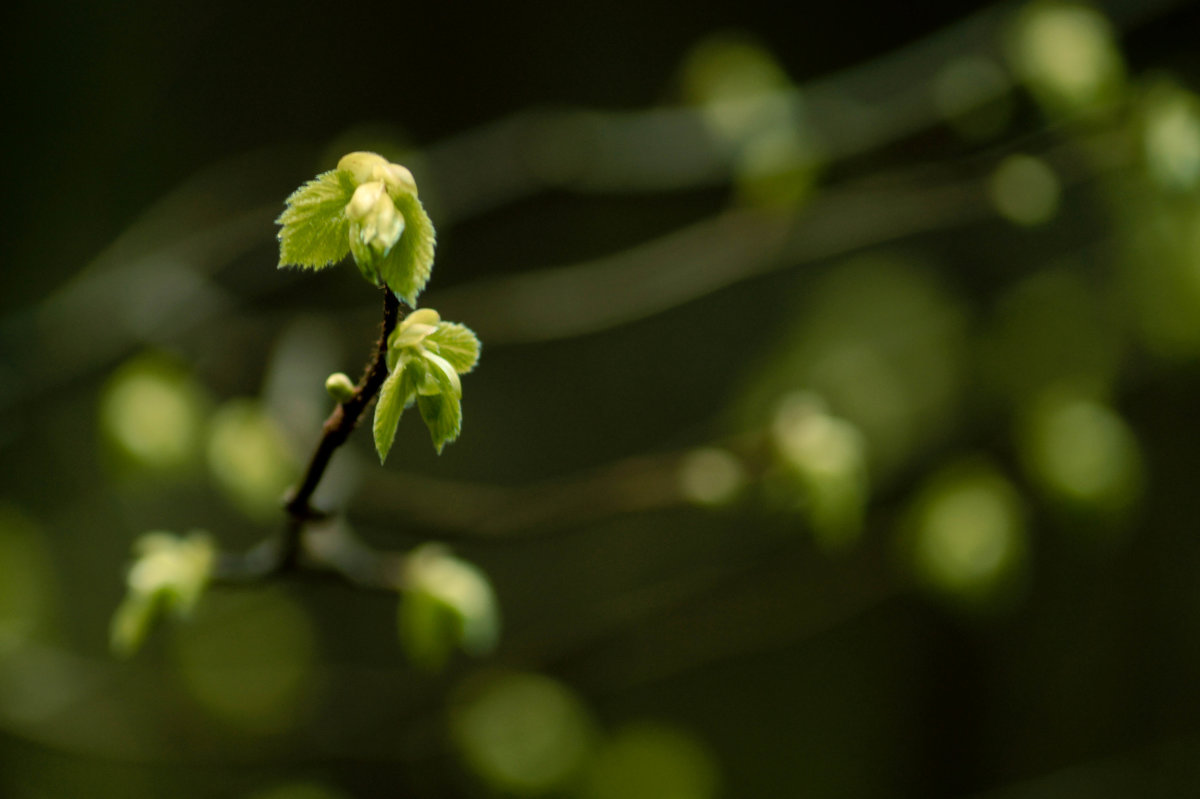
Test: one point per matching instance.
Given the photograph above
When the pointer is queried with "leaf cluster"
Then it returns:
(425, 357)
(368, 208)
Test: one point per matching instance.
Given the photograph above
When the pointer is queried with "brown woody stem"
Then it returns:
(336, 430)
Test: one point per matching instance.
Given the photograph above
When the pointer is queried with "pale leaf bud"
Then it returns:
(398, 180)
(378, 224)
(339, 386)
(363, 167)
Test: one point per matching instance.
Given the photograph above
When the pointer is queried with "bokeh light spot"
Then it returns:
(711, 476)
(1082, 452)
(523, 734)
(1171, 137)
(152, 410)
(1068, 55)
(249, 458)
(967, 533)
(1025, 190)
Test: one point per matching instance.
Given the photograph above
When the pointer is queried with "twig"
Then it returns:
(336, 430)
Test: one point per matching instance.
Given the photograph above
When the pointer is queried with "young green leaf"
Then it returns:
(407, 266)
(421, 316)
(316, 232)
(396, 395)
(443, 375)
(412, 335)
(443, 416)
(411, 331)
(457, 344)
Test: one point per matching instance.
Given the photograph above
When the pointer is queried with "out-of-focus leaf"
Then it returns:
(447, 604)
(131, 623)
(169, 575)
(823, 468)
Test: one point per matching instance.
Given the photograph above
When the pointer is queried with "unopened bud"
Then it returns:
(378, 223)
(366, 198)
(422, 316)
(339, 386)
(398, 180)
(370, 168)
(362, 166)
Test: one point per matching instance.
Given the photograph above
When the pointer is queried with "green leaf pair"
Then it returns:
(425, 357)
(367, 207)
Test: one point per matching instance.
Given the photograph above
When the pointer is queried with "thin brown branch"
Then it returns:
(274, 557)
(336, 430)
